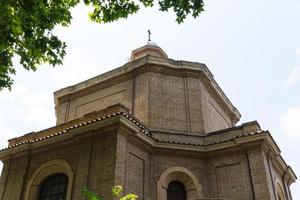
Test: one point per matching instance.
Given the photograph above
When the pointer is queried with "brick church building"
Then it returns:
(161, 128)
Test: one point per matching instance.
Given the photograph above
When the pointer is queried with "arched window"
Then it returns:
(176, 191)
(280, 193)
(189, 184)
(54, 187)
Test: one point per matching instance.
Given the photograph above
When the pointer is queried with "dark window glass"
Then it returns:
(54, 187)
(176, 191)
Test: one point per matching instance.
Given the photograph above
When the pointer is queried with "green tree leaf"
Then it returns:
(26, 27)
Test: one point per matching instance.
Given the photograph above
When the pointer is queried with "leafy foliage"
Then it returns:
(26, 27)
(116, 191)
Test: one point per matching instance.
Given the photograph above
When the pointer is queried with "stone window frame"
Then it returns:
(279, 190)
(44, 171)
(183, 175)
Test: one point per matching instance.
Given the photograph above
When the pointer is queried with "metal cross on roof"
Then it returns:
(149, 35)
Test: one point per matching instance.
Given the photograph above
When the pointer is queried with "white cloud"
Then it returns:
(6, 133)
(290, 122)
(298, 51)
(294, 76)
(23, 104)
(78, 66)
(23, 110)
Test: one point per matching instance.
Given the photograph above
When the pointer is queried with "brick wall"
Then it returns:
(160, 98)
(113, 156)
(92, 158)
(98, 100)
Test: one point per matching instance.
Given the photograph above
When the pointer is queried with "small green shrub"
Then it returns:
(116, 191)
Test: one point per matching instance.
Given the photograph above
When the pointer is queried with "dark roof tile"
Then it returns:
(143, 130)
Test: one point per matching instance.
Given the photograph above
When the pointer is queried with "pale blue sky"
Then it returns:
(251, 47)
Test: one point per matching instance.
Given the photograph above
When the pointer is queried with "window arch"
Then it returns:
(45, 171)
(176, 191)
(54, 187)
(279, 190)
(182, 175)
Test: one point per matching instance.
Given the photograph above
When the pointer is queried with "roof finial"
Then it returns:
(149, 35)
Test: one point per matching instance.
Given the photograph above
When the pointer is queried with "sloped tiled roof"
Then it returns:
(212, 143)
(66, 130)
(143, 129)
